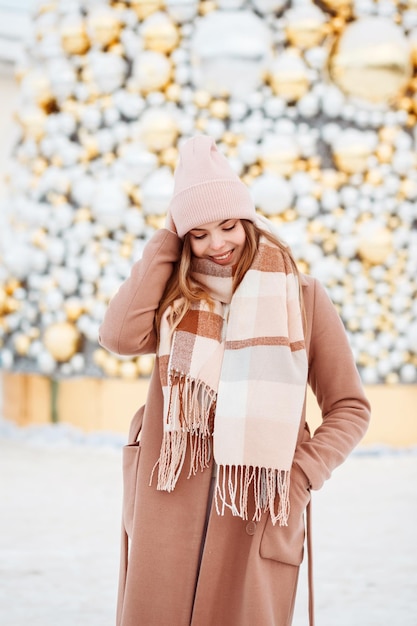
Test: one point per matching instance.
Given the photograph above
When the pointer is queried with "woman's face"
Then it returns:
(221, 242)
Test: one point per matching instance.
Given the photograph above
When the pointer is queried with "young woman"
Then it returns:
(216, 488)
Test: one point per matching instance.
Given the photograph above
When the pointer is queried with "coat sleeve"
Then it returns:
(335, 381)
(128, 325)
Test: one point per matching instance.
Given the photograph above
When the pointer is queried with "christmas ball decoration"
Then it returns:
(305, 26)
(313, 103)
(128, 370)
(375, 243)
(159, 33)
(74, 38)
(61, 339)
(144, 8)
(279, 154)
(159, 129)
(288, 76)
(243, 48)
(371, 60)
(152, 70)
(352, 150)
(103, 26)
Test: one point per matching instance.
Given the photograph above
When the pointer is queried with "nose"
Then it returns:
(217, 241)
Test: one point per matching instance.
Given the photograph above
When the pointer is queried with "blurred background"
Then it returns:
(313, 102)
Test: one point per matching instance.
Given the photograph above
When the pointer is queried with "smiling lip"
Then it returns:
(222, 258)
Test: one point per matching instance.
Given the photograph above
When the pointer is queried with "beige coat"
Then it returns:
(246, 573)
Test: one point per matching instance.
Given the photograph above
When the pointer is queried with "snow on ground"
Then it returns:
(60, 499)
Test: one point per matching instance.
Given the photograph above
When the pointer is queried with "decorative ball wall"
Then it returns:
(315, 105)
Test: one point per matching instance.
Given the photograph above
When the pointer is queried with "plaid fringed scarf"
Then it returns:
(237, 371)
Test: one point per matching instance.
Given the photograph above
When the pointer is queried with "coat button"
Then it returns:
(251, 528)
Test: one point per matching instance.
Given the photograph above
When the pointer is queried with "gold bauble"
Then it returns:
(159, 130)
(388, 134)
(413, 45)
(201, 124)
(33, 333)
(146, 364)
(99, 357)
(219, 109)
(160, 34)
(353, 324)
(201, 98)
(83, 214)
(279, 161)
(73, 308)
(39, 165)
(62, 340)
(384, 153)
(109, 158)
(22, 344)
(405, 103)
(330, 243)
(374, 177)
(303, 266)
(104, 257)
(156, 221)
(57, 199)
(117, 48)
(341, 7)
(301, 165)
(407, 187)
(73, 107)
(104, 27)
(315, 227)
(352, 157)
(111, 365)
(90, 145)
(144, 8)
(371, 60)
(57, 161)
(136, 196)
(173, 92)
(375, 244)
(392, 378)
(125, 250)
(74, 38)
(206, 7)
(11, 286)
(128, 370)
(152, 71)
(3, 300)
(394, 222)
(231, 139)
(12, 304)
(289, 215)
(36, 87)
(169, 157)
(38, 238)
(330, 179)
(288, 77)
(33, 122)
(411, 120)
(305, 26)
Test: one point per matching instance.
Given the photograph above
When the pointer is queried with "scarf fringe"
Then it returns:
(190, 412)
(232, 489)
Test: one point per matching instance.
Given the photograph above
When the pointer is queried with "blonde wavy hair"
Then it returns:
(181, 291)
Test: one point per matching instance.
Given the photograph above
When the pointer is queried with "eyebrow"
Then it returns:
(220, 223)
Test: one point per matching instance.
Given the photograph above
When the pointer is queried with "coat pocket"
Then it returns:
(286, 543)
(131, 455)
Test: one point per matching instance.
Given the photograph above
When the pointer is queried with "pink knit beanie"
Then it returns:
(206, 188)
